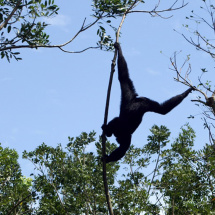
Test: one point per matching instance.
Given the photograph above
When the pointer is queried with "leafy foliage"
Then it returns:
(110, 10)
(14, 187)
(21, 24)
(160, 176)
(70, 181)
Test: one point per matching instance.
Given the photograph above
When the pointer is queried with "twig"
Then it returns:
(179, 76)
(83, 28)
(154, 11)
(195, 100)
(198, 46)
(77, 52)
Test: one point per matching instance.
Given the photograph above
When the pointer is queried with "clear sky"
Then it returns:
(51, 95)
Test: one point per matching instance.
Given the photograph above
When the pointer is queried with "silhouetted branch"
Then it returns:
(106, 112)
(209, 101)
(156, 12)
(184, 80)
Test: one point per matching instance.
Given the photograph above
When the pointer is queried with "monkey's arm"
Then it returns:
(118, 153)
(168, 105)
(122, 65)
(110, 128)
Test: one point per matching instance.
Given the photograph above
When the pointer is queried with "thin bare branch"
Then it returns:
(77, 52)
(83, 28)
(200, 101)
(198, 46)
(180, 78)
(155, 11)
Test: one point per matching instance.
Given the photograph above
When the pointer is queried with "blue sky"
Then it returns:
(51, 95)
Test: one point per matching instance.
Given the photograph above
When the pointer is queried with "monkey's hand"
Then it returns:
(103, 127)
(185, 94)
(116, 45)
(191, 89)
(104, 158)
(106, 130)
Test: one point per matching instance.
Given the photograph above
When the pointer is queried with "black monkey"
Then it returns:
(132, 110)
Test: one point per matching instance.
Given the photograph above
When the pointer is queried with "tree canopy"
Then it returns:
(165, 175)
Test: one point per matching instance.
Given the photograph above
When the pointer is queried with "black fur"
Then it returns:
(132, 110)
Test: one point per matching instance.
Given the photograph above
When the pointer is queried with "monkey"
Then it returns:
(210, 101)
(132, 109)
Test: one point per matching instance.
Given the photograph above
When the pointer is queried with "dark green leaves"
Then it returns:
(69, 180)
(111, 8)
(24, 28)
(14, 187)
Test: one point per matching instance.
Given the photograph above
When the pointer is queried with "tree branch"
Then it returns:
(155, 11)
(209, 101)
(182, 79)
(82, 29)
(11, 14)
(198, 46)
